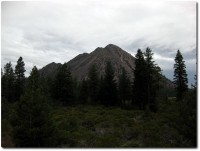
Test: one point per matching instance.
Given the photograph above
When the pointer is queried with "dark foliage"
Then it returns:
(153, 75)
(188, 115)
(93, 81)
(63, 86)
(109, 87)
(61, 111)
(84, 93)
(180, 76)
(32, 125)
(140, 81)
(146, 82)
(124, 87)
(8, 79)
(19, 78)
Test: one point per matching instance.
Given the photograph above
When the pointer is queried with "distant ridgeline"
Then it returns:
(80, 65)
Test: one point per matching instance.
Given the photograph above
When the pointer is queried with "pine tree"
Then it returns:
(34, 80)
(19, 78)
(8, 83)
(140, 81)
(124, 87)
(63, 85)
(109, 86)
(32, 125)
(93, 81)
(180, 76)
(146, 81)
(153, 73)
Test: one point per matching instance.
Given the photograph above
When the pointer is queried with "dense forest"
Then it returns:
(98, 111)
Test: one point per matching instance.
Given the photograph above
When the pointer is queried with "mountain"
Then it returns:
(100, 56)
(80, 64)
(50, 70)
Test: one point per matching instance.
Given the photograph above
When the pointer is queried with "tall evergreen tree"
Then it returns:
(63, 85)
(8, 83)
(140, 81)
(180, 76)
(19, 78)
(32, 125)
(93, 81)
(153, 73)
(124, 87)
(109, 86)
(34, 80)
(146, 81)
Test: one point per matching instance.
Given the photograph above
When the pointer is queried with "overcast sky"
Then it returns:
(45, 32)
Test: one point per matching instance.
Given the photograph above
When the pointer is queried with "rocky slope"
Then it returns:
(118, 57)
(50, 70)
(80, 64)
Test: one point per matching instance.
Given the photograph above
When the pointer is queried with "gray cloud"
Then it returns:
(43, 32)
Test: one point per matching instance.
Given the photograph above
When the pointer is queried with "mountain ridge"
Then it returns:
(80, 64)
(100, 56)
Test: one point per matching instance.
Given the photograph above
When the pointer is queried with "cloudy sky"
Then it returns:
(45, 32)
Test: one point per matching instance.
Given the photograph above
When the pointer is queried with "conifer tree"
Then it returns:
(153, 73)
(109, 86)
(8, 83)
(140, 81)
(180, 76)
(93, 81)
(124, 87)
(146, 81)
(19, 78)
(63, 85)
(32, 125)
(33, 80)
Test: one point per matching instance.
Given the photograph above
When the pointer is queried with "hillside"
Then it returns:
(80, 64)
(50, 70)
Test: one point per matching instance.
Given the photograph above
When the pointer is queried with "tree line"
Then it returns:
(141, 91)
(34, 95)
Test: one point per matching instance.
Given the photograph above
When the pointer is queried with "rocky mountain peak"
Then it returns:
(100, 56)
(112, 47)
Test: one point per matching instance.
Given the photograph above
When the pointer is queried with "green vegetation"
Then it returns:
(99, 126)
(124, 87)
(63, 86)
(98, 111)
(32, 125)
(19, 78)
(109, 87)
(180, 76)
(146, 82)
